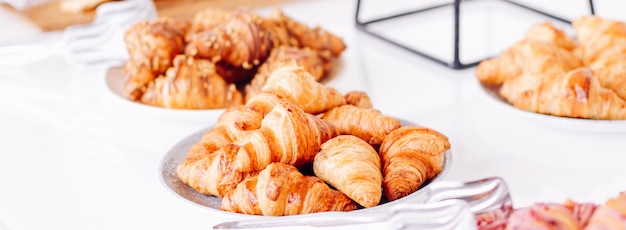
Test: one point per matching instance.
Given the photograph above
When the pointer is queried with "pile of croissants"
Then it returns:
(299, 146)
(552, 73)
(219, 58)
(567, 215)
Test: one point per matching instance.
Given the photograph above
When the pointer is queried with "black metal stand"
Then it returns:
(456, 63)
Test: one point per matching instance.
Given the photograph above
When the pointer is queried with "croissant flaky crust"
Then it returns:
(410, 156)
(351, 165)
(280, 190)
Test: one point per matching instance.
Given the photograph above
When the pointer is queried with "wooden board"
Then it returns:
(50, 17)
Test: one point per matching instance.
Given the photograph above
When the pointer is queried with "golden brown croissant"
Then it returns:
(191, 84)
(281, 190)
(287, 135)
(598, 37)
(213, 173)
(352, 166)
(546, 32)
(611, 73)
(411, 156)
(239, 41)
(151, 47)
(525, 57)
(359, 99)
(293, 83)
(573, 94)
(305, 57)
(611, 215)
(315, 38)
(367, 124)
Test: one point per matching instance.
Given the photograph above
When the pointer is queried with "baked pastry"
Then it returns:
(293, 83)
(352, 166)
(359, 99)
(598, 37)
(525, 57)
(367, 124)
(611, 73)
(239, 40)
(307, 58)
(611, 215)
(287, 135)
(151, 45)
(410, 156)
(329, 45)
(280, 190)
(546, 32)
(213, 173)
(191, 84)
(569, 215)
(576, 93)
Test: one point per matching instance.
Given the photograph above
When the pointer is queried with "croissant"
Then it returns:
(598, 37)
(546, 32)
(287, 135)
(367, 124)
(305, 57)
(151, 46)
(611, 215)
(611, 73)
(212, 173)
(549, 216)
(191, 84)
(281, 190)
(239, 41)
(295, 84)
(526, 57)
(316, 38)
(359, 99)
(410, 156)
(574, 94)
(352, 166)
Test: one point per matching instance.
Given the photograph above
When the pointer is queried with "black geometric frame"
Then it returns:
(456, 62)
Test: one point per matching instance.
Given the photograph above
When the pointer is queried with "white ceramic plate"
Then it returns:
(577, 124)
(115, 80)
(178, 153)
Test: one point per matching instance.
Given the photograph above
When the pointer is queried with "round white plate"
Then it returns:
(115, 80)
(575, 124)
(177, 154)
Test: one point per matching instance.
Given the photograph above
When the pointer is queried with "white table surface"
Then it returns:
(74, 156)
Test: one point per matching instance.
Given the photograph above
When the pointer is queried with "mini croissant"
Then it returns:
(280, 190)
(573, 94)
(287, 135)
(351, 165)
(367, 124)
(526, 57)
(191, 84)
(295, 84)
(410, 156)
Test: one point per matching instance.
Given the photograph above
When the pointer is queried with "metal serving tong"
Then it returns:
(448, 205)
